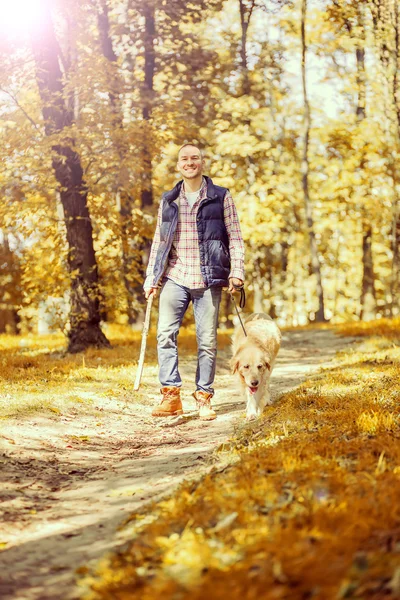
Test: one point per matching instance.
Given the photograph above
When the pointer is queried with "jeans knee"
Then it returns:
(207, 344)
(166, 336)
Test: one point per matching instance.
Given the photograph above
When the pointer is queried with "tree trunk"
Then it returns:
(395, 167)
(284, 256)
(10, 287)
(361, 108)
(245, 16)
(368, 296)
(147, 99)
(271, 283)
(396, 78)
(395, 242)
(305, 167)
(258, 286)
(84, 317)
(227, 310)
(131, 262)
(385, 15)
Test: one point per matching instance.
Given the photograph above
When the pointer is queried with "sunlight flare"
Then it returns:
(20, 17)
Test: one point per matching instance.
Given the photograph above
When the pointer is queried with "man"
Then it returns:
(197, 250)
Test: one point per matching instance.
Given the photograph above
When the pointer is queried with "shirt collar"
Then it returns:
(202, 191)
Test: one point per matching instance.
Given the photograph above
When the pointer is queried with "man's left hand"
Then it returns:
(234, 281)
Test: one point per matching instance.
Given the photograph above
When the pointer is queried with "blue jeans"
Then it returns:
(174, 301)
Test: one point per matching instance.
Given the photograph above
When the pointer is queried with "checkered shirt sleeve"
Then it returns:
(153, 252)
(236, 244)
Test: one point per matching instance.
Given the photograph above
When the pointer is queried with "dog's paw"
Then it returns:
(251, 416)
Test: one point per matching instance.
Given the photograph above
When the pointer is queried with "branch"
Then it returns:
(251, 10)
(20, 107)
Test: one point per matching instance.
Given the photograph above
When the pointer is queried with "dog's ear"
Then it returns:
(234, 364)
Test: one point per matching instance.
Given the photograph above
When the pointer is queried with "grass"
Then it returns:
(308, 510)
(387, 328)
(36, 375)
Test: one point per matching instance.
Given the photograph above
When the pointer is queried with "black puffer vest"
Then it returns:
(213, 238)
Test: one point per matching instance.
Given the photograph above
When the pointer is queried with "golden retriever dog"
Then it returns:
(253, 359)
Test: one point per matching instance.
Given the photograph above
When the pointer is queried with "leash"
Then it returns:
(242, 303)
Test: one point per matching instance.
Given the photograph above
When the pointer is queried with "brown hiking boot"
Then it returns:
(171, 404)
(203, 402)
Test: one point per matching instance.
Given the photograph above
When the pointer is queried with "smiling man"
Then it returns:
(197, 250)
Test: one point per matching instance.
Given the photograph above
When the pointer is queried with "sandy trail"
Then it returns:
(68, 482)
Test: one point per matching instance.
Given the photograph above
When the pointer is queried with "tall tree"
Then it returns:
(396, 167)
(305, 170)
(386, 26)
(368, 295)
(85, 328)
(131, 253)
(246, 8)
(147, 101)
(10, 285)
(396, 78)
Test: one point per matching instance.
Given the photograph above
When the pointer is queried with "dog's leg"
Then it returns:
(252, 409)
(266, 400)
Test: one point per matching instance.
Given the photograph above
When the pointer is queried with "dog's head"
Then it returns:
(253, 367)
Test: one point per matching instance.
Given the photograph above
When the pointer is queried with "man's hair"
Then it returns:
(190, 144)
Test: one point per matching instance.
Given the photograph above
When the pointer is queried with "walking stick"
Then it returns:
(145, 331)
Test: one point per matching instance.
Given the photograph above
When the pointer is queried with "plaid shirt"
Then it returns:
(184, 258)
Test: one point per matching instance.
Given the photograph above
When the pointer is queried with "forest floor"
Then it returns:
(80, 451)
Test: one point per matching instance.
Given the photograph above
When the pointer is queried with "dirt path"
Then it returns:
(68, 482)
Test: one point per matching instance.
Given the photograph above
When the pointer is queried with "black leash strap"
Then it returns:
(242, 303)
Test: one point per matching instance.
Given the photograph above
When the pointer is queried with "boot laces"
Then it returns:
(169, 395)
(203, 398)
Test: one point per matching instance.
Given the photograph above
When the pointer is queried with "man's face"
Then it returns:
(190, 162)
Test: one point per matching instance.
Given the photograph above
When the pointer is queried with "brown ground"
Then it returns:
(67, 482)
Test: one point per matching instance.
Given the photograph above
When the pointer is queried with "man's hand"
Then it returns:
(234, 281)
(153, 290)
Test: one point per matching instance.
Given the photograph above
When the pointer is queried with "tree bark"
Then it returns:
(147, 99)
(10, 287)
(361, 108)
(396, 78)
(245, 10)
(258, 287)
(368, 295)
(272, 282)
(395, 284)
(84, 316)
(386, 24)
(305, 169)
(227, 311)
(131, 262)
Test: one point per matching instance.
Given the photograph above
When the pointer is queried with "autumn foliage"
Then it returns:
(296, 105)
(306, 509)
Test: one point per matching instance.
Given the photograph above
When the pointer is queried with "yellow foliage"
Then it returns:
(389, 328)
(36, 375)
(373, 422)
(310, 515)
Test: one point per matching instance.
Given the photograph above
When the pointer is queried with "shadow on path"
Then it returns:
(82, 495)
